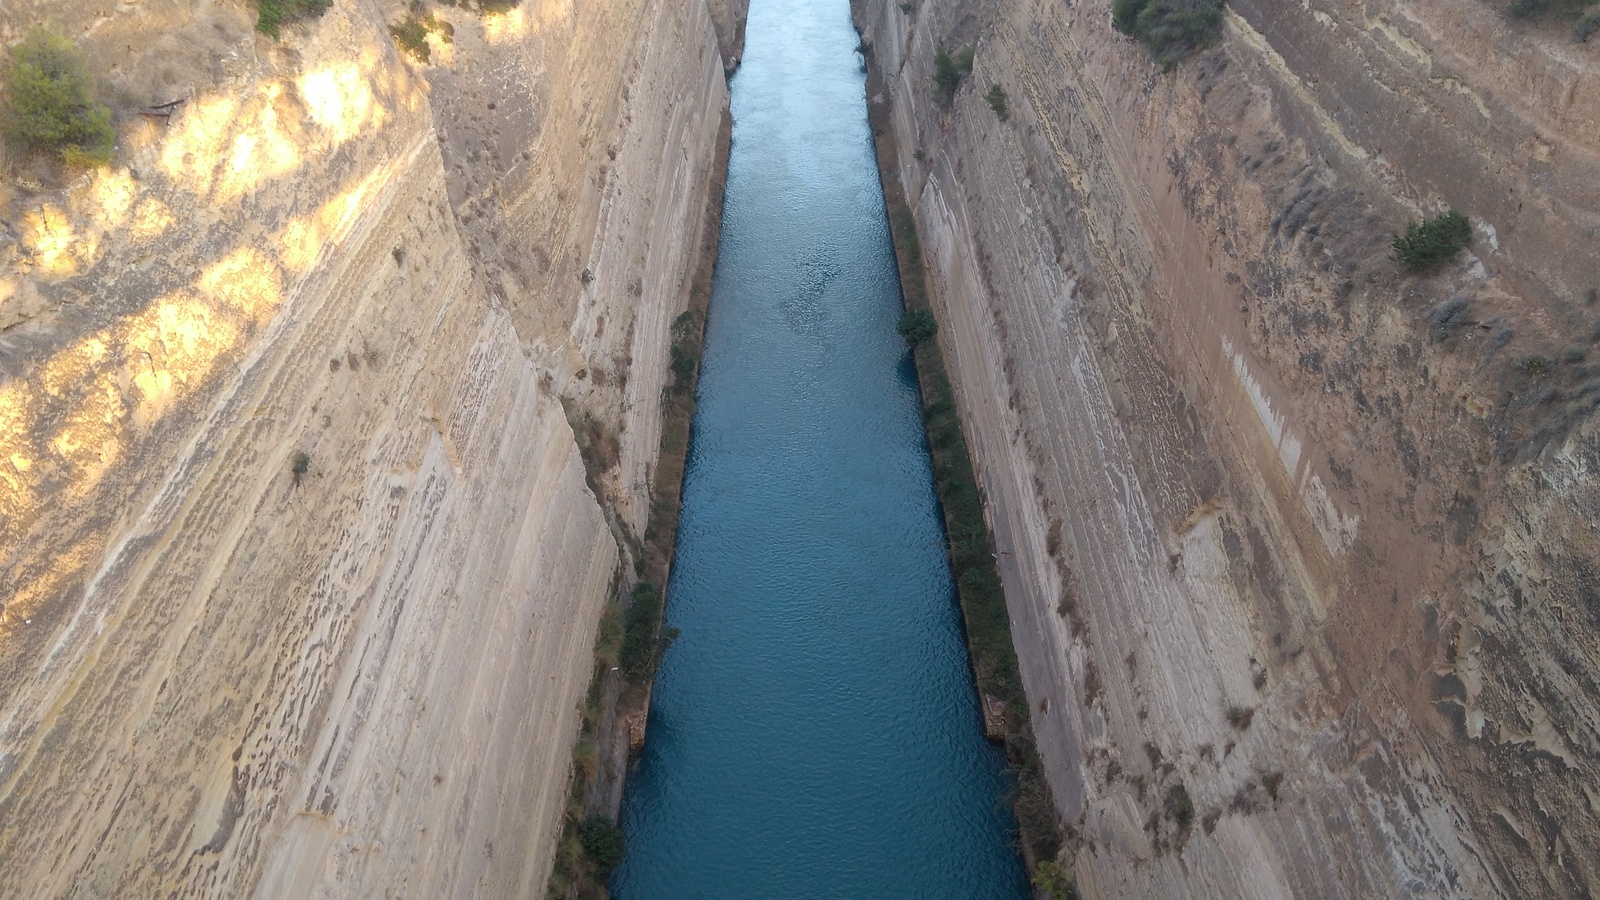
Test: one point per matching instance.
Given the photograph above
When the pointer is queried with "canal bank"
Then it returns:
(615, 707)
(814, 731)
(972, 549)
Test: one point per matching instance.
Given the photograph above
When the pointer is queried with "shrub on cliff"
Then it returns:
(47, 104)
(271, 15)
(1054, 880)
(917, 325)
(684, 358)
(947, 73)
(1539, 9)
(411, 33)
(1179, 806)
(1172, 29)
(1587, 24)
(997, 101)
(643, 640)
(602, 843)
(1430, 243)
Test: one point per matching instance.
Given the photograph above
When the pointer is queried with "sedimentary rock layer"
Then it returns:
(301, 567)
(1299, 549)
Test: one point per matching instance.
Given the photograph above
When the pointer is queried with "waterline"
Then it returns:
(814, 731)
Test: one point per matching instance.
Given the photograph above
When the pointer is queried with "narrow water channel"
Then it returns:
(815, 733)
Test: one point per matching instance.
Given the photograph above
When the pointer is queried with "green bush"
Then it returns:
(917, 325)
(1535, 364)
(602, 843)
(1179, 806)
(948, 71)
(299, 465)
(1587, 24)
(684, 358)
(1054, 880)
(643, 638)
(271, 15)
(1539, 9)
(411, 36)
(47, 104)
(1431, 243)
(997, 101)
(1172, 29)
(411, 33)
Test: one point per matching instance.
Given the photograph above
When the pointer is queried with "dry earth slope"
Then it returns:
(222, 677)
(1301, 552)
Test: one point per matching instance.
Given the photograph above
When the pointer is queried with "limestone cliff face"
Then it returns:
(1311, 538)
(223, 676)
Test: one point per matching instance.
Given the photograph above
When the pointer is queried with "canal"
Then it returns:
(815, 732)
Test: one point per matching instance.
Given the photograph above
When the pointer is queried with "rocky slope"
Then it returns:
(1300, 550)
(301, 566)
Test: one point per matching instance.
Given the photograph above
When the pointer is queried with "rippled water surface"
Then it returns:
(815, 733)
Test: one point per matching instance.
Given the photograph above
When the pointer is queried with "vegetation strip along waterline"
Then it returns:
(815, 730)
(615, 707)
(971, 545)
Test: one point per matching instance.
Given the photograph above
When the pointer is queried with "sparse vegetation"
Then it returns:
(1535, 364)
(1587, 24)
(1240, 717)
(1540, 9)
(589, 849)
(485, 7)
(47, 104)
(1430, 243)
(299, 465)
(597, 445)
(684, 358)
(643, 638)
(948, 71)
(1179, 806)
(1272, 781)
(1172, 29)
(411, 33)
(602, 843)
(917, 325)
(272, 15)
(575, 874)
(411, 36)
(971, 554)
(997, 101)
(1054, 880)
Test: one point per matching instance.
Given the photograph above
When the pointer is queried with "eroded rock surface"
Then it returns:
(1300, 550)
(301, 565)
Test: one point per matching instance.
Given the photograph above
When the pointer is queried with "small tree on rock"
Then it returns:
(948, 71)
(917, 325)
(997, 101)
(1431, 243)
(602, 843)
(47, 104)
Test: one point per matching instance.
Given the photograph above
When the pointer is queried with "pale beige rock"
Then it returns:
(226, 678)
(1233, 457)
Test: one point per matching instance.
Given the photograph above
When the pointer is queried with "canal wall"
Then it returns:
(301, 563)
(1295, 545)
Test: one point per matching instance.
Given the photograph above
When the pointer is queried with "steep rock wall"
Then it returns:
(1283, 531)
(225, 677)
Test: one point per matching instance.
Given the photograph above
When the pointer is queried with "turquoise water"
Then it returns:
(815, 733)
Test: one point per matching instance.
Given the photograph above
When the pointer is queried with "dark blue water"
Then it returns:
(815, 733)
